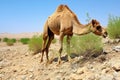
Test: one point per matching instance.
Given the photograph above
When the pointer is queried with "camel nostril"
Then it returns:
(105, 34)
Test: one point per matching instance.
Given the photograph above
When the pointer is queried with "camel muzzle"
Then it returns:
(105, 34)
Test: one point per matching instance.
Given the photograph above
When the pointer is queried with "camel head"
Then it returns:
(98, 29)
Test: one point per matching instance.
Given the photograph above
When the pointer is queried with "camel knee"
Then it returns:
(45, 36)
(44, 49)
(60, 50)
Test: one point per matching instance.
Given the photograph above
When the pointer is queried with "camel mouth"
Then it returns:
(105, 34)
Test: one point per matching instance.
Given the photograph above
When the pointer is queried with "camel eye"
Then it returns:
(98, 28)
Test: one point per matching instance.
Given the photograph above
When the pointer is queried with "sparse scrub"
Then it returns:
(87, 45)
(0, 39)
(14, 40)
(114, 27)
(35, 44)
(5, 39)
(10, 42)
(24, 40)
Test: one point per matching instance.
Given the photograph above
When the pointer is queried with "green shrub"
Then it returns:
(89, 44)
(5, 39)
(35, 44)
(0, 39)
(24, 40)
(10, 42)
(14, 40)
(114, 27)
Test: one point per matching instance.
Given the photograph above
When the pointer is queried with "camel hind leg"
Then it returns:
(51, 37)
(45, 37)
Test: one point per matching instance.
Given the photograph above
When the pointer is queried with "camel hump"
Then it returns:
(62, 8)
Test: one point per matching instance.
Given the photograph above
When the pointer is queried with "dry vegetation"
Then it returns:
(114, 27)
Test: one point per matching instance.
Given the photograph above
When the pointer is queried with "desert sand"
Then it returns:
(18, 63)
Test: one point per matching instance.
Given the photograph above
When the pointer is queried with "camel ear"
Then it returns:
(93, 22)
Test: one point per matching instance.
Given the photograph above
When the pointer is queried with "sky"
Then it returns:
(18, 16)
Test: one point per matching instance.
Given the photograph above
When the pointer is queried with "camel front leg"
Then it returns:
(61, 47)
(68, 47)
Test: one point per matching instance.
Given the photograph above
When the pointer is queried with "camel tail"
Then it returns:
(47, 32)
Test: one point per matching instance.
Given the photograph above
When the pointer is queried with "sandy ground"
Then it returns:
(19, 35)
(17, 63)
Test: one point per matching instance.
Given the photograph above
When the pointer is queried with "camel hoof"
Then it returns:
(41, 61)
(46, 64)
(59, 62)
(50, 62)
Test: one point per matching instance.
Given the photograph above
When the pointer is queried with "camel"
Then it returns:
(64, 22)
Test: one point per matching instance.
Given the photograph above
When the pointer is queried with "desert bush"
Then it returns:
(14, 40)
(0, 39)
(10, 42)
(114, 27)
(87, 45)
(24, 40)
(35, 44)
(5, 39)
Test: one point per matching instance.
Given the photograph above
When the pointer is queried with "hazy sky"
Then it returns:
(18, 16)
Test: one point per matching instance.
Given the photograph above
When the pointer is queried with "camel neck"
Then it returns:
(81, 29)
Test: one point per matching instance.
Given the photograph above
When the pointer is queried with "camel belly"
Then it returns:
(54, 26)
(55, 30)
